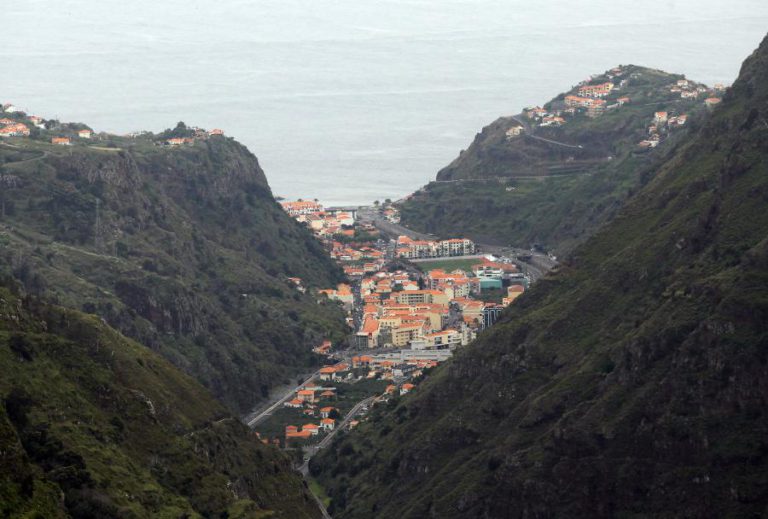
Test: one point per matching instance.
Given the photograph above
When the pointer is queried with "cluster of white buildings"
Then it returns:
(662, 122)
(416, 249)
(16, 123)
(323, 222)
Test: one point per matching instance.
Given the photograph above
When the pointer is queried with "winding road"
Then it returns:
(253, 421)
(529, 132)
(43, 154)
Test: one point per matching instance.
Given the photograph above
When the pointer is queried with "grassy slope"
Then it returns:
(630, 383)
(95, 425)
(573, 192)
(189, 256)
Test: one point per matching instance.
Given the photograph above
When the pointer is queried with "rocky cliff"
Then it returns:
(183, 249)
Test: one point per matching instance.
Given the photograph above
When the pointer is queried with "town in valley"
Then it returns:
(411, 301)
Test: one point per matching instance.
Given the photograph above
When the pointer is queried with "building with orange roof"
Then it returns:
(328, 424)
(15, 130)
(306, 395)
(324, 348)
(342, 293)
(312, 428)
(368, 336)
(404, 334)
(327, 373)
(406, 388)
(712, 101)
(361, 361)
(295, 403)
(298, 435)
(594, 106)
(301, 207)
(325, 412)
(534, 111)
(595, 91)
(552, 120)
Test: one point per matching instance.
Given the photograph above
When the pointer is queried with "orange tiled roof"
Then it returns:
(298, 434)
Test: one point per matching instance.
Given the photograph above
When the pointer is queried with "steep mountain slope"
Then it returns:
(183, 249)
(94, 425)
(553, 185)
(632, 382)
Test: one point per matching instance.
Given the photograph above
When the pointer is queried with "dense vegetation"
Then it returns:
(94, 425)
(527, 191)
(630, 383)
(183, 249)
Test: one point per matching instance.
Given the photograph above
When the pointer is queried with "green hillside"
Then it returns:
(181, 248)
(630, 383)
(529, 189)
(94, 425)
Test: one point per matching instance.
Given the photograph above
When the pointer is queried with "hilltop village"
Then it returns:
(15, 122)
(410, 304)
(606, 93)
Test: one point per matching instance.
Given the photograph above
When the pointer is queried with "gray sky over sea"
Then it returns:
(347, 101)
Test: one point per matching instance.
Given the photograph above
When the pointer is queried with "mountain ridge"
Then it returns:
(555, 183)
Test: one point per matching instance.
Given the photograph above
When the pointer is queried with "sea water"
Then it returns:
(347, 101)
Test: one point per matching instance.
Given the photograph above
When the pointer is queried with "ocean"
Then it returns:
(346, 101)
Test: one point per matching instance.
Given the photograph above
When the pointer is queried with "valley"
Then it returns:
(569, 321)
(610, 387)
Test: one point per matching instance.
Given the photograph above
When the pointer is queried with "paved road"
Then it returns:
(42, 155)
(313, 450)
(393, 229)
(321, 506)
(529, 132)
(253, 421)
